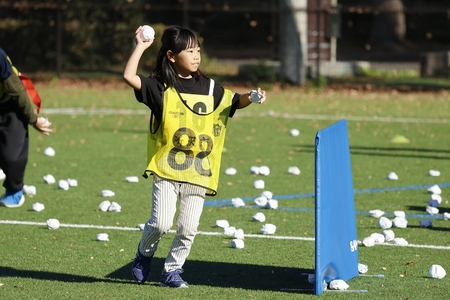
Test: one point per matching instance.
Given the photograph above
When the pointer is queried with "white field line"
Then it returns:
(262, 236)
(93, 111)
(113, 111)
(348, 118)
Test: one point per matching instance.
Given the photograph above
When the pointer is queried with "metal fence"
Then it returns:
(64, 35)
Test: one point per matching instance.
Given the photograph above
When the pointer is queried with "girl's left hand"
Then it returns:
(262, 94)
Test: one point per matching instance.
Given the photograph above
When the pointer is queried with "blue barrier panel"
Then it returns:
(336, 254)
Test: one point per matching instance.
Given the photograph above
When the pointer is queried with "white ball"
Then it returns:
(362, 268)
(294, 170)
(369, 241)
(272, 204)
(230, 230)
(132, 179)
(63, 185)
(49, 151)
(47, 122)
(239, 234)
(72, 182)
(230, 171)
(104, 205)
(49, 179)
(384, 223)
(264, 170)
(260, 217)
(237, 243)
(148, 32)
(237, 202)
(38, 206)
(222, 223)
(294, 132)
(102, 237)
(261, 201)
(53, 224)
(259, 184)
(268, 229)
(437, 271)
(389, 235)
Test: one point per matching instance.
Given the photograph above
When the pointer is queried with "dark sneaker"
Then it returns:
(173, 279)
(141, 267)
(12, 199)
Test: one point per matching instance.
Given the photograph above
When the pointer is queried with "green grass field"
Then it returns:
(104, 141)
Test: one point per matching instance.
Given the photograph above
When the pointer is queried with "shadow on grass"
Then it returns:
(442, 210)
(220, 274)
(215, 274)
(54, 276)
(388, 151)
(434, 228)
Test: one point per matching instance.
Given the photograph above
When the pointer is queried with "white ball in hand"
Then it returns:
(46, 121)
(148, 32)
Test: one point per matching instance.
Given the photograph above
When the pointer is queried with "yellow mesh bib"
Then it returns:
(187, 147)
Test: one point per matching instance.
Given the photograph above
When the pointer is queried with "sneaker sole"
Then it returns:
(22, 200)
(137, 280)
(183, 286)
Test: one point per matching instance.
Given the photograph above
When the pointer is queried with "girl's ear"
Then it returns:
(170, 56)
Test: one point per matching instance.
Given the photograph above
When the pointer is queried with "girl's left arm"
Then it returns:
(244, 99)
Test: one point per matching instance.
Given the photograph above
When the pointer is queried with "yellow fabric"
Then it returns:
(181, 148)
(14, 68)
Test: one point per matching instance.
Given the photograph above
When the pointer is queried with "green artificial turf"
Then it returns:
(102, 147)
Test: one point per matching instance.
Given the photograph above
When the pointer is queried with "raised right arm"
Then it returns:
(130, 72)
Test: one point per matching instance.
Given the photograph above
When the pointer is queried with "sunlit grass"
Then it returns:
(100, 150)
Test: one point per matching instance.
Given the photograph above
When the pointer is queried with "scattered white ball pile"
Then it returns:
(65, 184)
(400, 221)
(266, 201)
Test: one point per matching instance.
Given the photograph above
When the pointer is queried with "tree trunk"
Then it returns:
(293, 41)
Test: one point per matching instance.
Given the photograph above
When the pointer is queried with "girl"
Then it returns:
(189, 114)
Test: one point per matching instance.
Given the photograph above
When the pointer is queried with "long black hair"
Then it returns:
(175, 39)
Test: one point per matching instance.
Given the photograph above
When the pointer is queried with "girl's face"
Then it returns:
(186, 62)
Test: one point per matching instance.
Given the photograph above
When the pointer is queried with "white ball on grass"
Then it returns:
(437, 271)
(237, 243)
(38, 206)
(102, 237)
(53, 224)
(294, 132)
(49, 151)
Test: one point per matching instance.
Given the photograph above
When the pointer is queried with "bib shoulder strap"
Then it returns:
(211, 87)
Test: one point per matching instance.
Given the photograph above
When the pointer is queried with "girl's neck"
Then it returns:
(189, 76)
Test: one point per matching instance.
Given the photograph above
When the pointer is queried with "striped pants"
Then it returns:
(165, 196)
